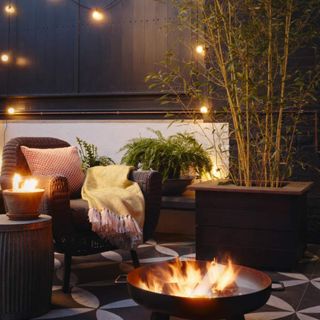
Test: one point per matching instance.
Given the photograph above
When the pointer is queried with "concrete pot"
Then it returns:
(175, 187)
(22, 205)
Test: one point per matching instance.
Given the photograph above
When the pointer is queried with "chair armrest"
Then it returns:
(55, 202)
(6, 182)
(150, 184)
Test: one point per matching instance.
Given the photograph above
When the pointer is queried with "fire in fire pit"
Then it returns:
(199, 289)
(187, 279)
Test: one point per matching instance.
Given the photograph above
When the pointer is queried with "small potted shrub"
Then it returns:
(174, 157)
(89, 155)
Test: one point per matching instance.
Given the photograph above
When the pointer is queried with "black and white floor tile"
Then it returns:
(95, 295)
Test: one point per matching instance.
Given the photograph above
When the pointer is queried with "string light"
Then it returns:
(10, 9)
(97, 15)
(204, 109)
(11, 110)
(200, 49)
(5, 58)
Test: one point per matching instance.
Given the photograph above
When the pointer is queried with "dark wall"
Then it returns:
(60, 54)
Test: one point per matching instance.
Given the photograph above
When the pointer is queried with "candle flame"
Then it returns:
(27, 185)
(16, 182)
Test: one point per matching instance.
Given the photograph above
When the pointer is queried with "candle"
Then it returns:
(23, 200)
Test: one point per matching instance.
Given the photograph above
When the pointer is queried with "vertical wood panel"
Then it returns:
(127, 30)
(179, 41)
(161, 21)
(43, 36)
(4, 28)
(138, 48)
(95, 51)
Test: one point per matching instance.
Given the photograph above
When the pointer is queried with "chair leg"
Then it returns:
(135, 259)
(67, 271)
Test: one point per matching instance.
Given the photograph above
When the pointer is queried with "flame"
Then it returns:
(27, 185)
(16, 181)
(188, 279)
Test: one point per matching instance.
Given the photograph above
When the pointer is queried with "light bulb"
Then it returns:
(11, 110)
(10, 9)
(204, 109)
(97, 15)
(5, 58)
(200, 49)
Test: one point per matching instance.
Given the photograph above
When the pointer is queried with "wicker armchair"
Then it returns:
(71, 228)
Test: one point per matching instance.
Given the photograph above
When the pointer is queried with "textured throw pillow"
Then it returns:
(56, 161)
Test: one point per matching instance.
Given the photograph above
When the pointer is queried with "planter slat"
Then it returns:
(241, 211)
(291, 187)
(253, 238)
(254, 257)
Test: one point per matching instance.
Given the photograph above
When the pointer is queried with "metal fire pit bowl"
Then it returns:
(254, 289)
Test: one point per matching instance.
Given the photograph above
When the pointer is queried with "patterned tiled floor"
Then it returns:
(95, 296)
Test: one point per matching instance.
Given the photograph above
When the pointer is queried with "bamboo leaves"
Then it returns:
(253, 66)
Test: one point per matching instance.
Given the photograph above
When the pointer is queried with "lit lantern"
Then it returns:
(204, 109)
(97, 15)
(200, 49)
(10, 9)
(11, 110)
(5, 58)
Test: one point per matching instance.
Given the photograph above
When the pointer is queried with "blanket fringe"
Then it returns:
(121, 231)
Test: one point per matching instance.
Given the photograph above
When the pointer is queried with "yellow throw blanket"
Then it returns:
(116, 205)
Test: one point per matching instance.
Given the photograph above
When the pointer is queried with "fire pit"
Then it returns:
(199, 289)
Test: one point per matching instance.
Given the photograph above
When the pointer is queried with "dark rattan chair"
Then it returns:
(71, 228)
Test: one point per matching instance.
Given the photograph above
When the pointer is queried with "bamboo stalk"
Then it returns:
(282, 91)
(233, 104)
(268, 121)
(248, 178)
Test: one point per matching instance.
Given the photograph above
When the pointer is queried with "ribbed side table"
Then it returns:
(26, 266)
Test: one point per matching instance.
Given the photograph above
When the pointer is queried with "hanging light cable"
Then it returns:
(108, 6)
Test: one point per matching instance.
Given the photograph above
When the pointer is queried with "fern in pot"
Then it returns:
(174, 157)
(89, 155)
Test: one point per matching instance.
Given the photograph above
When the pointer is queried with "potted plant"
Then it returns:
(246, 68)
(89, 155)
(173, 157)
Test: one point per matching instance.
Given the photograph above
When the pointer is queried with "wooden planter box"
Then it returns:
(258, 227)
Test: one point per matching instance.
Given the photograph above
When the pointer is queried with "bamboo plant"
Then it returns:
(248, 70)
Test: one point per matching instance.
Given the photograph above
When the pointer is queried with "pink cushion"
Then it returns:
(56, 161)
